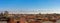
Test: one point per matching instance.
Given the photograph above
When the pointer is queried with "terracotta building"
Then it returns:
(16, 20)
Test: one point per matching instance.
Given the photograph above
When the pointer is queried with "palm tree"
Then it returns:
(6, 14)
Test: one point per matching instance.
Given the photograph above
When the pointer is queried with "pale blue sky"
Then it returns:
(30, 5)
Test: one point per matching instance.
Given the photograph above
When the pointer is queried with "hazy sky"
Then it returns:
(27, 6)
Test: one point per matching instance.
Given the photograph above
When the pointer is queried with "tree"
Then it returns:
(6, 13)
(1, 14)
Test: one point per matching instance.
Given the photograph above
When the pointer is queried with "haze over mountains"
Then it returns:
(43, 11)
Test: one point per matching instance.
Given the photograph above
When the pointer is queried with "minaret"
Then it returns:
(22, 19)
(11, 20)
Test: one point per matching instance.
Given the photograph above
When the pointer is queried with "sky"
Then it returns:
(30, 6)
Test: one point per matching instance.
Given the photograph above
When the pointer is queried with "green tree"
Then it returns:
(6, 13)
(1, 14)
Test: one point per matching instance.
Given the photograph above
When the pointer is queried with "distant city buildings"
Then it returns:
(28, 18)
